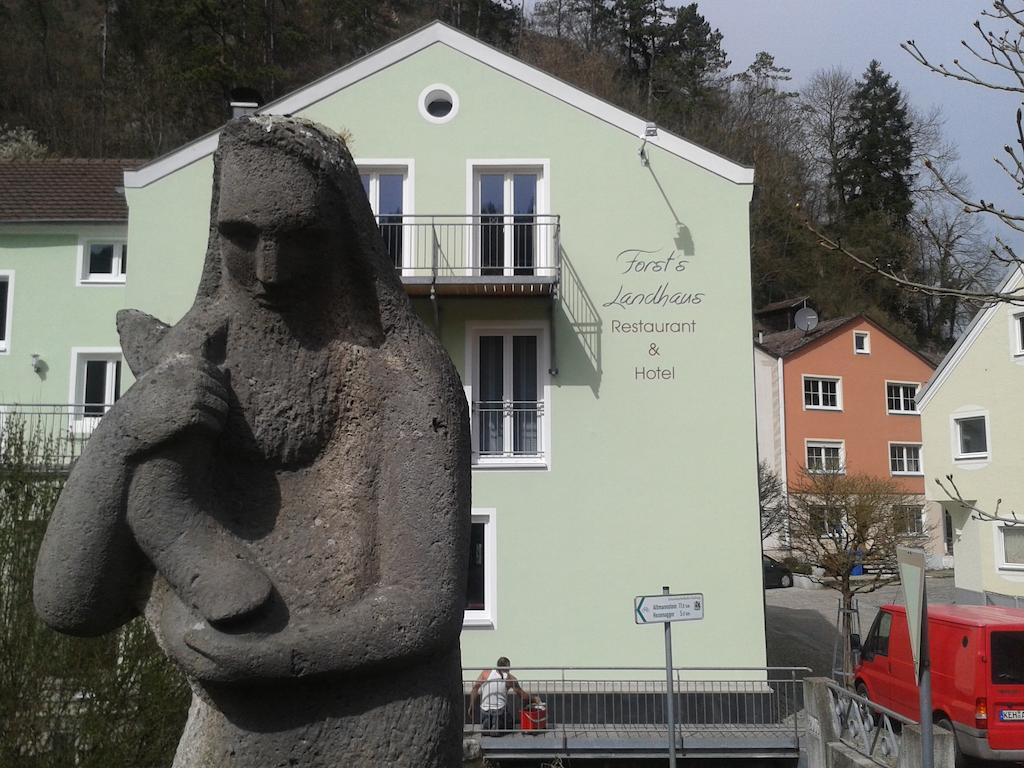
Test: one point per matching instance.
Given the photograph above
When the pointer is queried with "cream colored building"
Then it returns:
(972, 412)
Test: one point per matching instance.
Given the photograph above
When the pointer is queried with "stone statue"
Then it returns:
(285, 491)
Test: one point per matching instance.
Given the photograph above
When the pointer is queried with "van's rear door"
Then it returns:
(1006, 689)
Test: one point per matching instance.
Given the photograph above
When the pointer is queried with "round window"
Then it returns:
(438, 103)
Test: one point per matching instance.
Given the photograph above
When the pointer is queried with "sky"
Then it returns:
(810, 35)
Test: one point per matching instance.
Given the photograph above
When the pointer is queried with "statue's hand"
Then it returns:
(182, 394)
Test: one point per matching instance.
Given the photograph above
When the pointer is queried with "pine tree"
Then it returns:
(876, 176)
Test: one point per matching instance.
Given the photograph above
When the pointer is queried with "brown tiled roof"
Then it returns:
(784, 304)
(63, 190)
(787, 342)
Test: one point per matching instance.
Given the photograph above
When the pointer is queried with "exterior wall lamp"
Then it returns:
(37, 362)
(650, 131)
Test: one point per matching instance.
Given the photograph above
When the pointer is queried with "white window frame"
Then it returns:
(917, 389)
(825, 443)
(373, 167)
(79, 422)
(867, 342)
(1001, 548)
(84, 277)
(920, 520)
(920, 458)
(7, 276)
(488, 617)
(437, 89)
(1017, 333)
(508, 166)
(827, 531)
(525, 327)
(954, 427)
(821, 377)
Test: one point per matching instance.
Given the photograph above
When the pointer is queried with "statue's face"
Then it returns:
(277, 229)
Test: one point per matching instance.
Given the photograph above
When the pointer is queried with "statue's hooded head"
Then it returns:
(292, 234)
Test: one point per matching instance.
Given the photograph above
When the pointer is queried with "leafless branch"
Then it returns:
(977, 513)
(987, 297)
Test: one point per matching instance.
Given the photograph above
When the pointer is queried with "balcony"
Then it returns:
(474, 255)
(46, 438)
(507, 430)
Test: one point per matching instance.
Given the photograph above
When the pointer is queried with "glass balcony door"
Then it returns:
(385, 189)
(507, 239)
(507, 409)
(98, 387)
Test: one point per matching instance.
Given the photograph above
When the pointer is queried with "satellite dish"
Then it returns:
(806, 319)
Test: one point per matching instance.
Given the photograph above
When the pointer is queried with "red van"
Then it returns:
(977, 655)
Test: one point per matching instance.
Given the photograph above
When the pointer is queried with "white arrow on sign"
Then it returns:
(655, 609)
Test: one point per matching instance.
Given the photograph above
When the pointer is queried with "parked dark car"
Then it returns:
(775, 573)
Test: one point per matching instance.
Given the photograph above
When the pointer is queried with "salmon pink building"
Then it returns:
(842, 397)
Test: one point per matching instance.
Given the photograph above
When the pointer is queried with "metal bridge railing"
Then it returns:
(620, 703)
(867, 727)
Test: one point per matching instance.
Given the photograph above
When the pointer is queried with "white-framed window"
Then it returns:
(1011, 546)
(388, 187)
(481, 576)
(900, 397)
(861, 343)
(827, 522)
(6, 308)
(825, 456)
(508, 202)
(1018, 334)
(508, 394)
(905, 459)
(438, 103)
(971, 436)
(823, 393)
(102, 261)
(95, 384)
(909, 520)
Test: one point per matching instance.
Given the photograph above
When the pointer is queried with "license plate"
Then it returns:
(1012, 714)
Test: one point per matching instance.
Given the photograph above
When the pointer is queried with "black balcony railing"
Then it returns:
(46, 437)
(482, 247)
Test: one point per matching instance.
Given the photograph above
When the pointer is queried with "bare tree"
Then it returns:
(825, 106)
(840, 522)
(772, 499)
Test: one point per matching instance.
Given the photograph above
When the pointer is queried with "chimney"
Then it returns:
(244, 101)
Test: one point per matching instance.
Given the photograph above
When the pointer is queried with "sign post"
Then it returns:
(666, 608)
(911, 564)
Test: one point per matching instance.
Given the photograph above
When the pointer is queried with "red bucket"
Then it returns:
(534, 717)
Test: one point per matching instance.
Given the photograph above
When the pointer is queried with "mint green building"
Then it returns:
(590, 277)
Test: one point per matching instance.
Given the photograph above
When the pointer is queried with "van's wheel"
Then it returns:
(959, 758)
(786, 580)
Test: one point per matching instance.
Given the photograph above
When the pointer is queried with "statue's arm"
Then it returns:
(415, 610)
(210, 570)
(90, 573)
(89, 569)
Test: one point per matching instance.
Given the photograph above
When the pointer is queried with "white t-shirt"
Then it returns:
(494, 692)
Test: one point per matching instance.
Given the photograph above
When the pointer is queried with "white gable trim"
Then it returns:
(440, 33)
(1013, 282)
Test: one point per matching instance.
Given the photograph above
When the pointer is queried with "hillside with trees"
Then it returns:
(101, 78)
